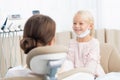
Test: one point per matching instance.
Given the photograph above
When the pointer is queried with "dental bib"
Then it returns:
(82, 35)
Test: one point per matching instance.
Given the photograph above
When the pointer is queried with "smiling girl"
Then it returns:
(84, 51)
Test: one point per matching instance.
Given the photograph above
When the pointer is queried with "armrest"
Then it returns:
(114, 61)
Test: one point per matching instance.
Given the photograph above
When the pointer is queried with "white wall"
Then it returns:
(106, 12)
(61, 11)
(110, 15)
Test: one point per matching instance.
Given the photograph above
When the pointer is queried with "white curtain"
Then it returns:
(10, 52)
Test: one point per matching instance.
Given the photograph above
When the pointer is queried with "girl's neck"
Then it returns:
(85, 39)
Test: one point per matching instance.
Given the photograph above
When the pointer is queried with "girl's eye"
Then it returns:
(74, 23)
(81, 23)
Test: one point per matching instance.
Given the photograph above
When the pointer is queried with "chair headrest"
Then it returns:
(37, 58)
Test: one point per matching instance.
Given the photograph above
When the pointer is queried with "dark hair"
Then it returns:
(39, 29)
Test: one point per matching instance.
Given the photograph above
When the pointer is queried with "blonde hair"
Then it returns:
(88, 17)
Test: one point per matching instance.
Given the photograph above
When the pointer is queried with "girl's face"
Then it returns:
(80, 24)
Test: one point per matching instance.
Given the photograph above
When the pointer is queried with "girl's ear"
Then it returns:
(91, 26)
(91, 29)
(52, 42)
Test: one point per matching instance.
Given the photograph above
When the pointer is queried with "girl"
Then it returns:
(84, 50)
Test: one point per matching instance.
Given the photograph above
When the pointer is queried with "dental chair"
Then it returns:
(45, 61)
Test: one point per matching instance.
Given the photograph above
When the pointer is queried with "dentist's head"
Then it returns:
(39, 30)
